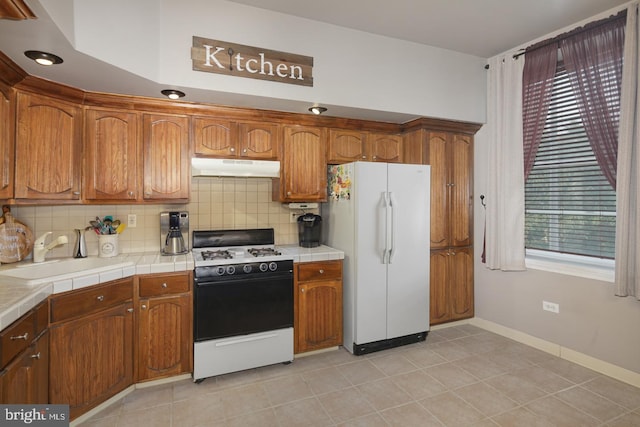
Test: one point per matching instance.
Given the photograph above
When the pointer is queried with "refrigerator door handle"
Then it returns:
(392, 227)
(384, 225)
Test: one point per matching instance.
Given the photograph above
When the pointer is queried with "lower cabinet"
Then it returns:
(24, 378)
(91, 348)
(317, 305)
(451, 282)
(165, 337)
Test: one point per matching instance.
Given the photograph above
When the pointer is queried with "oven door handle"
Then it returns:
(242, 340)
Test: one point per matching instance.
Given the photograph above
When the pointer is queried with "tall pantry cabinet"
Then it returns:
(449, 151)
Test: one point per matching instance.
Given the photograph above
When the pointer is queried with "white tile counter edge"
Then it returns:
(17, 298)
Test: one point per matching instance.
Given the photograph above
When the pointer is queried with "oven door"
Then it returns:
(232, 306)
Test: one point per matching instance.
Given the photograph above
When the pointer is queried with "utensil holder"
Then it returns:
(108, 245)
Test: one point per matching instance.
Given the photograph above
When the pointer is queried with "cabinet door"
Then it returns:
(91, 358)
(304, 174)
(7, 123)
(461, 197)
(259, 140)
(214, 137)
(437, 158)
(112, 155)
(166, 157)
(439, 299)
(461, 283)
(319, 315)
(26, 379)
(164, 337)
(385, 148)
(345, 146)
(48, 149)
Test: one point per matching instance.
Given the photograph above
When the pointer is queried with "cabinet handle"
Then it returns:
(288, 193)
(35, 356)
(130, 310)
(244, 150)
(20, 337)
(232, 149)
(164, 285)
(321, 271)
(76, 193)
(100, 298)
(144, 306)
(130, 193)
(364, 157)
(301, 289)
(374, 157)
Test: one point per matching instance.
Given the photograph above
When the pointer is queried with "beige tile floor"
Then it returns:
(461, 376)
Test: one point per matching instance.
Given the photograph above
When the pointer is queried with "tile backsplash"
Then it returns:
(216, 203)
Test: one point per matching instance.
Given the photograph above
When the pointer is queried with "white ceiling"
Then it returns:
(482, 28)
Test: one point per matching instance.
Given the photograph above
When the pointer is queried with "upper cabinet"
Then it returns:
(7, 121)
(48, 148)
(349, 146)
(451, 158)
(112, 155)
(229, 139)
(166, 157)
(303, 173)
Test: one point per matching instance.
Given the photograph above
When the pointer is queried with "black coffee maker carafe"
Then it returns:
(309, 230)
(172, 240)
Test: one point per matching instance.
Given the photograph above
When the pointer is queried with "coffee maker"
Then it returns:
(309, 230)
(172, 225)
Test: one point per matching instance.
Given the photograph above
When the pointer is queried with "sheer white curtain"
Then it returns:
(628, 175)
(505, 189)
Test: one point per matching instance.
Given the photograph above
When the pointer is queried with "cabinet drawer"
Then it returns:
(17, 337)
(91, 300)
(325, 270)
(164, 284)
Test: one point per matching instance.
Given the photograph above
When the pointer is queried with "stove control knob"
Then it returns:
(219, 271)
(231, 269)
(263, 267)
(247, 268)
(273, 266)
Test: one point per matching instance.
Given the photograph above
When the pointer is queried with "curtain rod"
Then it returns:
(579, 30)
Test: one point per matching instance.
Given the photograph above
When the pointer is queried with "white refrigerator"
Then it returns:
(378, 214)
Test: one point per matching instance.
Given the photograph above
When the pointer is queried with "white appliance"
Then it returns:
(378, 214)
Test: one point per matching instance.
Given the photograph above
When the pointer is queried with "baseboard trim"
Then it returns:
(605, 368)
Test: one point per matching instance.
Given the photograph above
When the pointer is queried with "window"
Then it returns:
(570, 207)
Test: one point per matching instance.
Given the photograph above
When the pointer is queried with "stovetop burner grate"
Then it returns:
(213, 255)
(258, 252)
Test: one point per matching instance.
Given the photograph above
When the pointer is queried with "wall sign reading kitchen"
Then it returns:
(214, 56)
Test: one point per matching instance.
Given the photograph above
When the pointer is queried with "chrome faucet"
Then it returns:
(39, 248)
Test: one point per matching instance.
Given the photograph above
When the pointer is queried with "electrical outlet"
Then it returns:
(132, 220)
(551, 306)
(293, 217)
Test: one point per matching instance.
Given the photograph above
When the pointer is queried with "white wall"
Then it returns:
(591, 321)
(351, 68)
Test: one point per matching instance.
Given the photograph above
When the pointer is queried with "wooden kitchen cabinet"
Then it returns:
(91, 345)
(7, 142)
(48, 149)
(346, 146)
(451, 281)
(112, 155)
(317, 305)
(24, 350)
(451, 158)
(166, 157)
(165, 337)
(229, 139)
(303, 174)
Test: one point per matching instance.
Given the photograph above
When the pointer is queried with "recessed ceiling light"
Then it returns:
(317, 110)
(43, 58)
(172, 93)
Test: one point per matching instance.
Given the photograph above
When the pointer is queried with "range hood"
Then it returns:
(230, 167)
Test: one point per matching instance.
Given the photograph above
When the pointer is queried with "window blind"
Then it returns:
(570, 207)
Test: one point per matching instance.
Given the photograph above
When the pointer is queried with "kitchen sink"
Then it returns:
(56, 269)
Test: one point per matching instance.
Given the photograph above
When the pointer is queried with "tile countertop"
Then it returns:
(22, 288)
